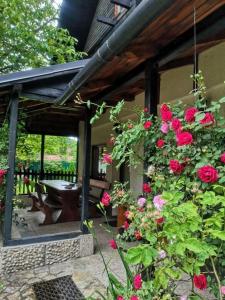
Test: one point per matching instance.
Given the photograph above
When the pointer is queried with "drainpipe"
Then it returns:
(146, 12)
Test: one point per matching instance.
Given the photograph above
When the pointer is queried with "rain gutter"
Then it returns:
(146, 12)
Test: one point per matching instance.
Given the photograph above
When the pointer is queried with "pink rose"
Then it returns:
(126, 225)
(208, 119)
(184, 138)
(138, 282)
(141, 202)
(207, 174)
(137, 235)
(222, 158)
(158, 202)
(223, 290)
(106, 199)
(189, 114)
(134, 297)
(119, 298)
(147, 125)
(176, 125)
(164, 128)
(176, 167)
(107, 158)
(160, 143)
(112, 244)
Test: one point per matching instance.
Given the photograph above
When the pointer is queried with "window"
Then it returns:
(98, 168)
(118, 10)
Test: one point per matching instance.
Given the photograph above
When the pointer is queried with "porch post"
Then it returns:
(152, 86)
(42, 156)
(86, 172)
(152, 93)
(11, 165)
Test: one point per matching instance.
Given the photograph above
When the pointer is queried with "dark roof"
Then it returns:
(41, 73)
(76, 16)
(40, 89)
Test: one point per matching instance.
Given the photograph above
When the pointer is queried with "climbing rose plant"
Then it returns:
(178, 220)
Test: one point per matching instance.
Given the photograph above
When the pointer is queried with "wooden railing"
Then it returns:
(34, 176)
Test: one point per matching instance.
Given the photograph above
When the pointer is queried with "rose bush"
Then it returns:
(179, 219)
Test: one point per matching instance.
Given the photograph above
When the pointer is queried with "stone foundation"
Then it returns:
(25, 257)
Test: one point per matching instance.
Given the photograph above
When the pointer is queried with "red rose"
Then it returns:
(222, 158)
(119, 298)
(137, 282)
(3, 172)
(176, 167)
(130, 126)
(113, 244)
(184, 138)
(166, 113)
(189, 114)
(147, 125)
(208, 119)
(106, 199)
(146, 188)
(207, 174)
(200, 281)
(138, 235)
(176, 125)
(164, 107)
(26, 180)
(107, 158)
(126, 225)
(159, 220)
(146, 109)
(160, 143)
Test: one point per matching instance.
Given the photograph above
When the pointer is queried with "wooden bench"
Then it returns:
(42, 203)
(97, 189)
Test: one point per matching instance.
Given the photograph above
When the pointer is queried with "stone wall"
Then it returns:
(25, 257)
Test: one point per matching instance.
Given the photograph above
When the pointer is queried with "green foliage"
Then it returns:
(181, 225)
(29, 36)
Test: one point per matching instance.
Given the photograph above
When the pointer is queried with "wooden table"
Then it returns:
(67, 198)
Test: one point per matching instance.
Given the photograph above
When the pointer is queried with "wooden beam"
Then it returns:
(11, 167)
(86, 173)
(106, 21)
(36, 97)
(44, 91)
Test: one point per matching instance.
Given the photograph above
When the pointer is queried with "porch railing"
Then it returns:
(34, 176)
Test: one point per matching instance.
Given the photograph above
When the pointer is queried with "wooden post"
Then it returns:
(152, 93)
(86, 173)
(11, 166)
(42, 156)
(152, 87)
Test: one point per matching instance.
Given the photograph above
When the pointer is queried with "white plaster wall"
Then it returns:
(175, 84)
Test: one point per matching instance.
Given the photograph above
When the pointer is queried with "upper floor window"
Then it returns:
(118, 10)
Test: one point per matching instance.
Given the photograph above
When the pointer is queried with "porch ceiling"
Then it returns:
(39, 90)
(123, 76)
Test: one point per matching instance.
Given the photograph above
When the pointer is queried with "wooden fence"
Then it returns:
(34, 176)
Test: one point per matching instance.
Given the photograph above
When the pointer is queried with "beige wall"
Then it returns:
(175, 84)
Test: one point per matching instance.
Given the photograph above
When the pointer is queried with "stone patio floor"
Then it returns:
(87, 273)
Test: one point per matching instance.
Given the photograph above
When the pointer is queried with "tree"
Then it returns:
(29, 36)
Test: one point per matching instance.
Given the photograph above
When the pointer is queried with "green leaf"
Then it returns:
(218, 234)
